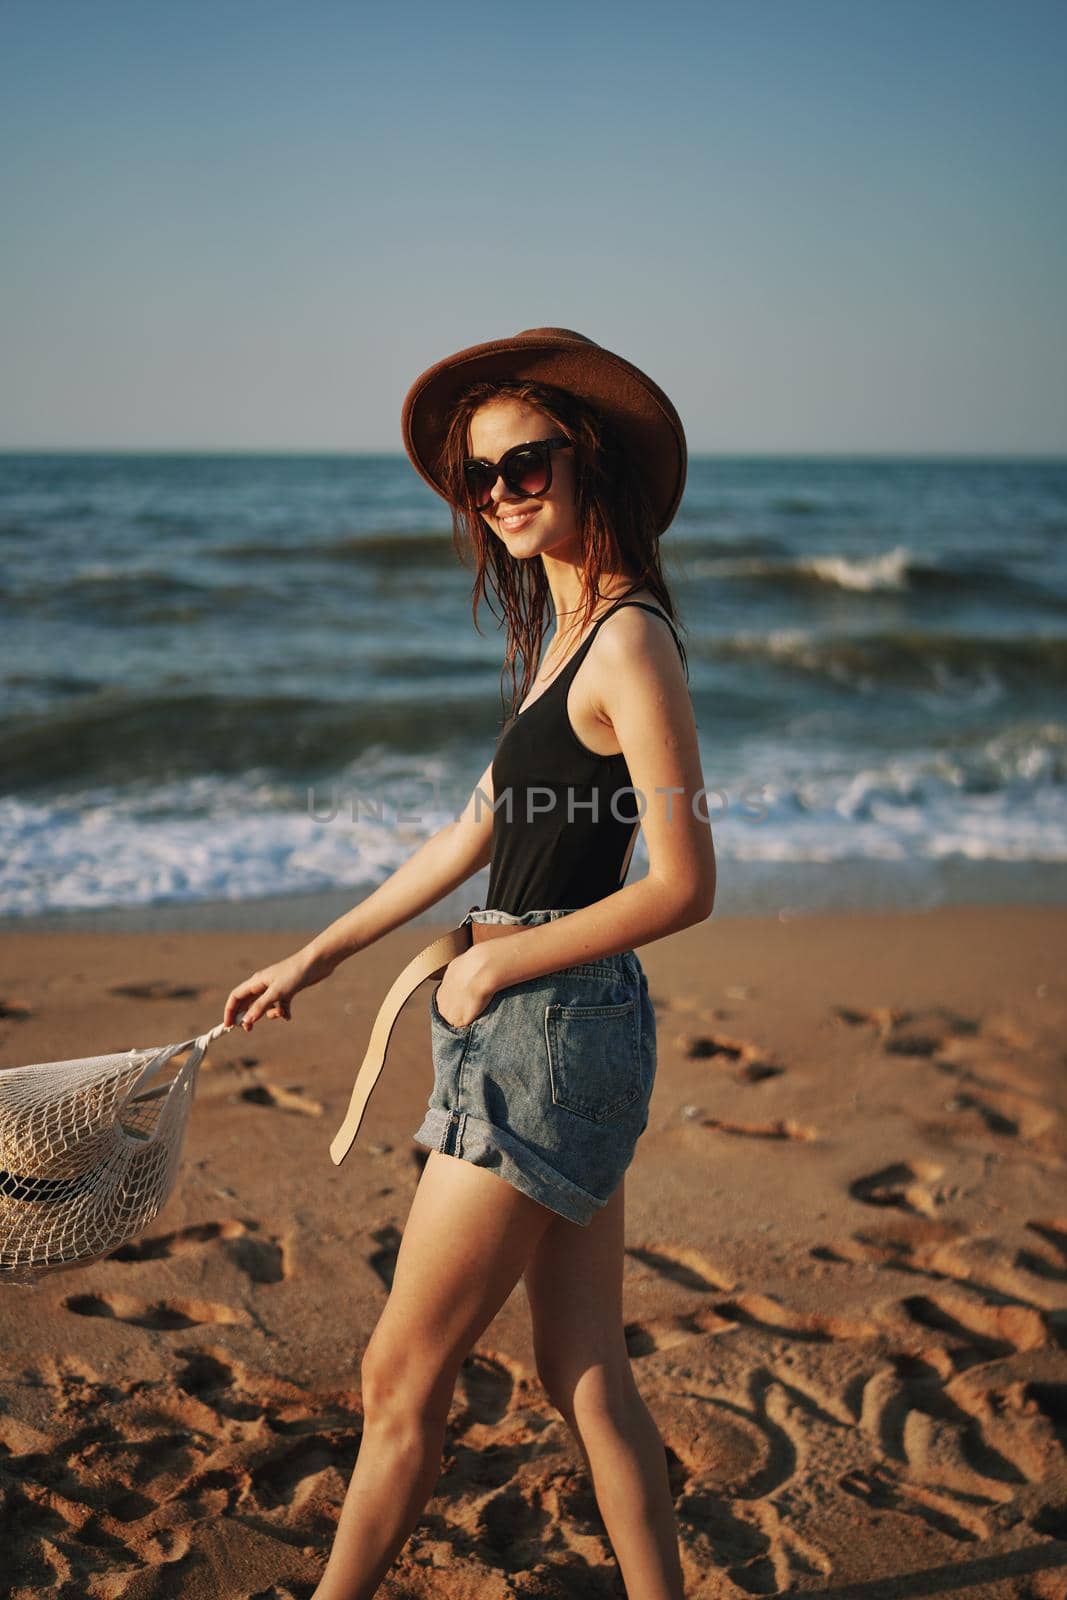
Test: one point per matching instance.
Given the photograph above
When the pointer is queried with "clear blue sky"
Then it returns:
(820, 224)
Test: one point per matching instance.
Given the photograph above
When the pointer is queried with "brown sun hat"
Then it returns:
(643, 415)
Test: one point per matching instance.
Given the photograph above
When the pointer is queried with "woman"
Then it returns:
(543, 1033)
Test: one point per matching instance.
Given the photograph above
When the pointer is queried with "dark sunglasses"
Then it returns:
(525, 468)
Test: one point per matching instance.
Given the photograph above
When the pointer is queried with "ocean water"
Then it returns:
(228, 679)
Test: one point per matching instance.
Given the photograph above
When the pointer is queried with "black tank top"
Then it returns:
(559, 842)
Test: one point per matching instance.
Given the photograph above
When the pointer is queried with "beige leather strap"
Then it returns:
(427, 964)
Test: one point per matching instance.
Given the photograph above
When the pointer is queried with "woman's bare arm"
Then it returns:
(447, 859)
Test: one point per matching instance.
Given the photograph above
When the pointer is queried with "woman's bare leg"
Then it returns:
(467, 1238)
(574, 1283)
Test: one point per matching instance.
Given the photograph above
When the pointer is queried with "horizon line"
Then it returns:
(401, 455)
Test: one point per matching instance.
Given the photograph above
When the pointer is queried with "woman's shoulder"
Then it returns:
(633, 619)
(639, 604)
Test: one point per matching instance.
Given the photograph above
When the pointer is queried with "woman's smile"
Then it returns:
(511, 523)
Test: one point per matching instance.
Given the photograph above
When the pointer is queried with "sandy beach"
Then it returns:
(846, 1281)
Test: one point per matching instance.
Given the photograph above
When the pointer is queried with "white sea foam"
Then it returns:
(210, 838)
(214, 838)
(886, 571)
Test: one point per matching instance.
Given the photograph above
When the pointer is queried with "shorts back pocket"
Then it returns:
(594, 1058)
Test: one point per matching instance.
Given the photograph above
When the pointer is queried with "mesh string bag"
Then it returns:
(89, 1152)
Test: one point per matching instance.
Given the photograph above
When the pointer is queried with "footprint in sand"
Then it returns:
(262, 1260)
(488, 1384)
(1050, 1521)
(1003, 1111)
(571, 1502)
(111, 1498)
(911, 1185)
(810, 1327)
(748, 1060)
(383, 1260)
(723, 1445)
(164, 1315)
(759, 1311)
(724, 1458)
(647, 1337)
(978, 1333)
(880, 1489)
(283, 1477)
(226, 1387)
(994, 1093)
(279, 1099)
(210, 1378)
(180, 1242)
(516, 1527)
(683, 1266)
(156, 989)
(910, 1033)
(779, 1128)
(946, 1252)
(972, 1435)
(1053, 1264)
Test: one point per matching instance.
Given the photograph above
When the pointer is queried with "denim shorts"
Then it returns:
(550, 1085)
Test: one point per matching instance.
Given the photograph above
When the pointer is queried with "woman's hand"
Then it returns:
(465, 990)
(271, 990)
